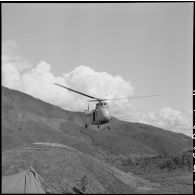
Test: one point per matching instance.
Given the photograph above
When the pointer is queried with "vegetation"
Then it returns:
(183, 161)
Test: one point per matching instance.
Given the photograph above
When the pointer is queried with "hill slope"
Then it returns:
(26, 120)
(89, 154)
(67, 168)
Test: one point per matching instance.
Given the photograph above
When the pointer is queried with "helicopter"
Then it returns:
(101, 114)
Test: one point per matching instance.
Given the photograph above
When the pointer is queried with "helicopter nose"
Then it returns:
(105, 114)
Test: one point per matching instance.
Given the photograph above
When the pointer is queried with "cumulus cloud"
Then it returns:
(9, 56)
(171, 119)
(98, 84)
(39, 80)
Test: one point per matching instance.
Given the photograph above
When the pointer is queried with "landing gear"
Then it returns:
(98, 126)
(86, 126)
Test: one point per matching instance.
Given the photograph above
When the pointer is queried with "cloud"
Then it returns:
(9, 56)
(98, 84)
(39, 80)
(10, 76)
(171, 119)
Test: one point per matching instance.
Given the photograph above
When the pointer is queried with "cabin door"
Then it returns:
(93, 116)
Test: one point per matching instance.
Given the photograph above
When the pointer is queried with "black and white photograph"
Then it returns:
(97, 97)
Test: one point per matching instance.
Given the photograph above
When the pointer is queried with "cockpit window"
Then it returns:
(101, 104)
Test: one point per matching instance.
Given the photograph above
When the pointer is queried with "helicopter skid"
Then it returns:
(107, 125)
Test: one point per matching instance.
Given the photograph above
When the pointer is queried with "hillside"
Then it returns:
(109, 159)
(65, 168)
(26, 120)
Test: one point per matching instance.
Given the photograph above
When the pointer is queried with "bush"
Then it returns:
(171, 162)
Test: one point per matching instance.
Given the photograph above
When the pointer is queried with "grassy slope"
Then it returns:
(65, 168)
(26, 120)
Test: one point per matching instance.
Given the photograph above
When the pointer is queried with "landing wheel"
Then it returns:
(108, 127)
(98, 126)
(85, 126)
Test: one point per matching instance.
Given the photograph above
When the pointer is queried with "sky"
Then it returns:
(112, 50)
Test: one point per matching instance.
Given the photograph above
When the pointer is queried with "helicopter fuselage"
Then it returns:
(99, 116)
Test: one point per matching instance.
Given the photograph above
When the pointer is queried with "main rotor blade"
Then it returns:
(76, 91)
(96, 100)
(131, 97)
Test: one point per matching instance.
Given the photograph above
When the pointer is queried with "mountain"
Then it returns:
(102, 157)
(26, 120)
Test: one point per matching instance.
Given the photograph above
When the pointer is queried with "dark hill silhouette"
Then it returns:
(26, 119)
